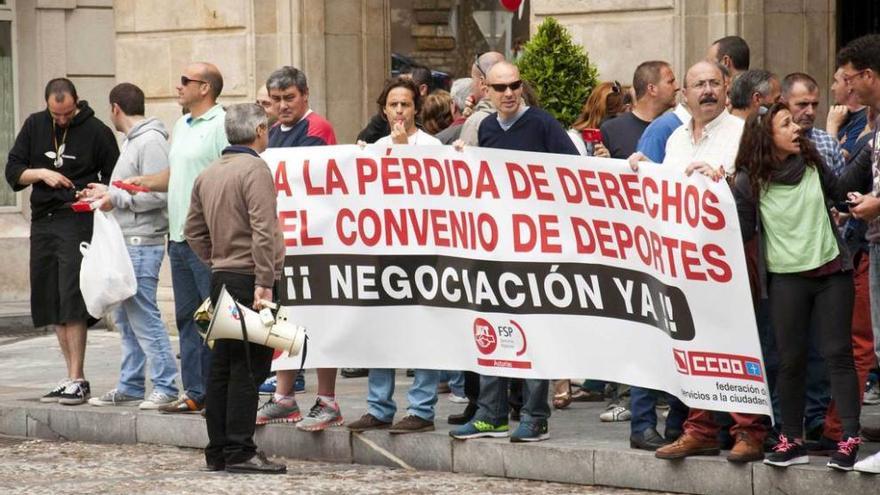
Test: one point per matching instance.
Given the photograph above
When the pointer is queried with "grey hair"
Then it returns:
(460, 91)
(286, 77)
(242, 122)
(748, 83)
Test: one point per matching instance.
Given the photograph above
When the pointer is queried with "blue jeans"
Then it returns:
(493, 406)
(191, 280)
(643, 402)
(143, 332)
(455, 379)
(874, 286)
(422, 394)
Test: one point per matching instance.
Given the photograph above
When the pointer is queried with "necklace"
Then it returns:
(59, 150)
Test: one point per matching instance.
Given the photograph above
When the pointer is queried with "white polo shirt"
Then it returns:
(718, 145)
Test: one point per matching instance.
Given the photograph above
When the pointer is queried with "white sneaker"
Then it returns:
(157, 399)
(458, 399)
(615, 413)
(869, 464)
(872, 395)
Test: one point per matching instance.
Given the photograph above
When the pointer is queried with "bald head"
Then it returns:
(505, 89)
(210, 74)
(480, 69)
(702, 68)
(502, 71)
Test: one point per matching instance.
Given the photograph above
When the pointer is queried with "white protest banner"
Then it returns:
(518, 264)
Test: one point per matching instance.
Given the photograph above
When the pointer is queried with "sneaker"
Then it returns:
(530, 431)
(77, 392)
(354, 372)
(457, 399)
(268, 386)
(615, 413)
(274, 412)
(182, 405)
(55, 393)
(368, 422)
(320, 417)
(480, 429)
(411, 424)
(299, 385)
(258, 464)
(156, 400)
(869, 464)
(846, 454)
(114, 398)
(787, 453)
(872, 394)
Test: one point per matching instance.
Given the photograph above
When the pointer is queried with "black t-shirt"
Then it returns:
(621, 134)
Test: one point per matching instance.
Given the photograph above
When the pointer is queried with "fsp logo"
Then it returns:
(484, 336)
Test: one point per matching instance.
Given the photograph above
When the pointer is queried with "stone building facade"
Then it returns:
(344, 47)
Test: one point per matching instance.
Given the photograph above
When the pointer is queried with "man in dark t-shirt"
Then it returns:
(656, 89)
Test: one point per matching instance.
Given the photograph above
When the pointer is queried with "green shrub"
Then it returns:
(558, 70)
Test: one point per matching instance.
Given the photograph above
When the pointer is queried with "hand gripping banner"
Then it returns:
(518, 264)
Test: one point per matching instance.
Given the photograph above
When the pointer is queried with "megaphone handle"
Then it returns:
(246, 343)
(302, 362)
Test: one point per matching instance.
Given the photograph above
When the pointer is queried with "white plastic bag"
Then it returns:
(106, 276)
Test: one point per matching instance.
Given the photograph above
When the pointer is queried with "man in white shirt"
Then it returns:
(711, 138)
(708, 144)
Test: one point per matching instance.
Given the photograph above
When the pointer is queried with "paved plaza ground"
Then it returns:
(581, 451)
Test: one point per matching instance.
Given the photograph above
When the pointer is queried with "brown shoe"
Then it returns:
(746, 449)
(871, 434)
(411, 424)
(688, 445)
(368, 422)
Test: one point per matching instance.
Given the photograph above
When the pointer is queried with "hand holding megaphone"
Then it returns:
(275, 331)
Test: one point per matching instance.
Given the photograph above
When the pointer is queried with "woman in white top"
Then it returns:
(400, 102)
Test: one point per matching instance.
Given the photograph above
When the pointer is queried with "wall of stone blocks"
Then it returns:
(784, 35)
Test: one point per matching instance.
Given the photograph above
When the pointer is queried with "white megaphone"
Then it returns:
(277, 333)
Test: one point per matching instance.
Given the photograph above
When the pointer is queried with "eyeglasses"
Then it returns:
(711, 83)
(849, 77)
(185, 80)
(477, 63)
(501, 88)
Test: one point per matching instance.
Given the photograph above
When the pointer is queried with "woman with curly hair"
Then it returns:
(783, 193)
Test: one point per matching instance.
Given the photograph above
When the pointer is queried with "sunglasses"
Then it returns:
(477, 63)
(515, 85)
(185, 80)
(615, 87)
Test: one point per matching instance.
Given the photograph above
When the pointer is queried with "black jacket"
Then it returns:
(90, 153)
(747, 208)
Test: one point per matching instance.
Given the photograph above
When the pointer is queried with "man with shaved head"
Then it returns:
(482, 104)
(197, 140)
(515, 126)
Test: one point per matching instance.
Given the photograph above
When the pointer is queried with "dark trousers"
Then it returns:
(231, 401)
(472, 390)
(826, 302)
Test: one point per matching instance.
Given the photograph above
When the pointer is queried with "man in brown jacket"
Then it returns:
(232, 226)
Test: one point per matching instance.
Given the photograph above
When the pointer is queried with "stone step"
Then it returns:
(567, 462)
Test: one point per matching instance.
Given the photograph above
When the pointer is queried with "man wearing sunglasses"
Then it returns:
(515, 126)
(197, 140)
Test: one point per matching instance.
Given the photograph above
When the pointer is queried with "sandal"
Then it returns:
(561, 399)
